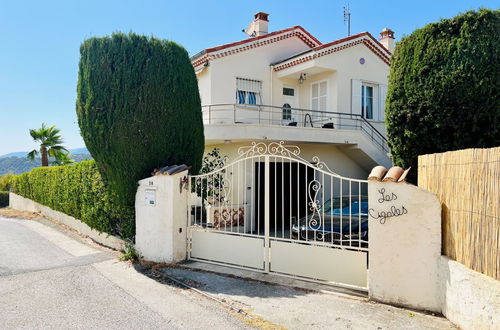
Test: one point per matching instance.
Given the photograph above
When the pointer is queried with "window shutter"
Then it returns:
(376, 102)
(383, 95)
(248, 91)
(356, 96)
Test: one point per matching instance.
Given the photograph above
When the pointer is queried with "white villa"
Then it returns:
(328, 99)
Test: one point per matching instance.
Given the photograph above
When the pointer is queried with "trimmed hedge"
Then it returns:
(5, 181)
(4, 198)
(78, 191)
(444, 88)
(138, 108)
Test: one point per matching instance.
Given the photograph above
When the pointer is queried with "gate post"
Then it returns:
(405, 245)
(266, 213)
(160, 217)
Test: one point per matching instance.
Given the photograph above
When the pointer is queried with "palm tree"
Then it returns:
(50, 143)
(63, 158)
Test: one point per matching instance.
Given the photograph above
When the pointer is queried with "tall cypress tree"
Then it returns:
(138, 108)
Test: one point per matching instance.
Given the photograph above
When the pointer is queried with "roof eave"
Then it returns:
(314, 51)
(206, 51)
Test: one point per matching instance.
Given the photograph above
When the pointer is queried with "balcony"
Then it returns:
(292, 118)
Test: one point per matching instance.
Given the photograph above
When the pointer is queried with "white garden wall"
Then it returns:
(406, 266)
(24, 204)
(469, 299)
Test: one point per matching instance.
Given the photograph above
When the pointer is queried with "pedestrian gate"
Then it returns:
(272, 211)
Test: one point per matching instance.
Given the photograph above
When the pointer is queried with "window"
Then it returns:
(287, 112)
(248, 91)
(318, 97)
(288, 91)
(367, 101)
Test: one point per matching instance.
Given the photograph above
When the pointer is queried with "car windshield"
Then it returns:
(341, 205)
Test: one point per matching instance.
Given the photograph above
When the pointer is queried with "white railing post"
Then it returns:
(266, 214)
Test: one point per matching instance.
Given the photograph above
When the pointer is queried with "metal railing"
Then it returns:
(292, 117)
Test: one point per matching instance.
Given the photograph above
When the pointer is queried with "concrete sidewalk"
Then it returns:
(298, 308)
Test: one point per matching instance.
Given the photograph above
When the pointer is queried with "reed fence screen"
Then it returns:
(467, 182)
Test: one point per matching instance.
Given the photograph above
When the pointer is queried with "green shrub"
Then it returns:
(5, 181)
(444, 91)
(78, 191)
(138, 108)
(4, 198)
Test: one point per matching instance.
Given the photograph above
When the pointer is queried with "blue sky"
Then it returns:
(39, 42)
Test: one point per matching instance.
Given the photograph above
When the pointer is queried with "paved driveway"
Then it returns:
(51, 281)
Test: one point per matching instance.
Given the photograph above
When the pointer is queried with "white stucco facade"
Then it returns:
(323, 86)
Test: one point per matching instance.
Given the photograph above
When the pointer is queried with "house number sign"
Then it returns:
(391, 212)
(150, 197)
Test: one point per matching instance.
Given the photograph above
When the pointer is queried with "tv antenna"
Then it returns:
(347, 19)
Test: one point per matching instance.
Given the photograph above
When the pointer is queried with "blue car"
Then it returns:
(343, 220)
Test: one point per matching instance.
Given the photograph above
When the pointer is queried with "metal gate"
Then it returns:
(272, 211)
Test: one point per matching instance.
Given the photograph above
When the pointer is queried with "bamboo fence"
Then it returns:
(467, 182)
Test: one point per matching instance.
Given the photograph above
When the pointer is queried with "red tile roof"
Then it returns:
(354, 36)
(314, 44)
(363, 38)
(305, 36)
(237, 43)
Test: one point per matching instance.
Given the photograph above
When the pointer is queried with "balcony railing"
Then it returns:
(292, 117)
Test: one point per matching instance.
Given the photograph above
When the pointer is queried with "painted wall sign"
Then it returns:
(150, 197)
(386, 197)
(391, 212)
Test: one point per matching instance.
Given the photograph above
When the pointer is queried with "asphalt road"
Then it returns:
(49, 280)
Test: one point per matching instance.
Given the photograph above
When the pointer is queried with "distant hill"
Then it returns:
(82, 151)
(15, 154)
(22, 154)
(18, 165)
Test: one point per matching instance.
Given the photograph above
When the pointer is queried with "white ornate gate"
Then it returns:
(272, 211)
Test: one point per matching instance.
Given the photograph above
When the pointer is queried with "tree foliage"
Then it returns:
(5, 181)
(212, 186)
(50, 143)
(138, 108)
(63, 158)
(444, 88)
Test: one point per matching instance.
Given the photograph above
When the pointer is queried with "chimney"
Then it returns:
(259, 26)
(387, 39)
